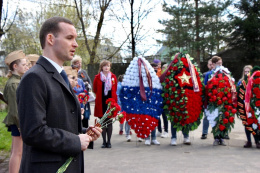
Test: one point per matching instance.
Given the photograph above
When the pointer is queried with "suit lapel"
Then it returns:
(56, 76)
(59, 78)
(51, 69)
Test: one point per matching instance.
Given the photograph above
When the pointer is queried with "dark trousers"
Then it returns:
(248, 136)
(165, 123)
(218, 137)
(107, 131)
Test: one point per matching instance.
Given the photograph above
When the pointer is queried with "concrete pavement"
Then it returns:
(201, 156)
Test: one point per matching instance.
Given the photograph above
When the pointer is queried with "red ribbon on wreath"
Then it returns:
(193, 75)
(142, 90)
(248, 93)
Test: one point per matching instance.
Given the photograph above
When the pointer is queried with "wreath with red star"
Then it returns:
(183, 106)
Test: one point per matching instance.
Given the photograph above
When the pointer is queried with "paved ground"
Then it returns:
(201, 156)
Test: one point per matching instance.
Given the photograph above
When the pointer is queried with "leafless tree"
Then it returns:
(5, 22)
(92, 45)
(135, 17)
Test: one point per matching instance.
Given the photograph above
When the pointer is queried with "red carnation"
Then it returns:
(168, 73)
(257, 74)
(255, 90)
(172, 113)
(250, 121)
(210, 86)
(227, 84)
(225, 121)
(224, 99)
(167, 80)
(257, 103)
(234, 111)
(221, 85)
(231, 119)
(257, 81)
(226, 78)
(221, 127)
(219, 102)
(175, 68)
(175, 61)
(214, 98)
(220, 76)
(214, 91)
(215, 82)
(110, 100)
(229, 95)
(167, 86)
(166, 95)
(226, 114)
(185, 63)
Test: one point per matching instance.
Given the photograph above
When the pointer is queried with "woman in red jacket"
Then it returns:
(104, 86)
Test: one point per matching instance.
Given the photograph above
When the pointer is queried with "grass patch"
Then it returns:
(5, 136)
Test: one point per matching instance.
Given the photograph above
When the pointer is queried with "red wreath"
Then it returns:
(219, 95)
(254, 104)
(182, 104)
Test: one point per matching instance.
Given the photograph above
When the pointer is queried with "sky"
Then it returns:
(114, 29)
(118, 31)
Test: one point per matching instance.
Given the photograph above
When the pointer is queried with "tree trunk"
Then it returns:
(1, 29)
(197, 33)
(96, 39)
(132, 28)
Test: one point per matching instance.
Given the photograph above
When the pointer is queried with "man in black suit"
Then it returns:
(49, 112)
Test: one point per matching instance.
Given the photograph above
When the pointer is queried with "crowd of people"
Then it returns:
(45, 118)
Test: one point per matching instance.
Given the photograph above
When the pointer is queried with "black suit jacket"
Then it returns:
(50, 120)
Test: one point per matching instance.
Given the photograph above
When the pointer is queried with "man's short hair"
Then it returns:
(215, 59)
(51, 25)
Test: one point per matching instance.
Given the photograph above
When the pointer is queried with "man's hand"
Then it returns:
(97, 132)
(84, 141)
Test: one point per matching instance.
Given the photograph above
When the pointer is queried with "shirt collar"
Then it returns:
(56, 66)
